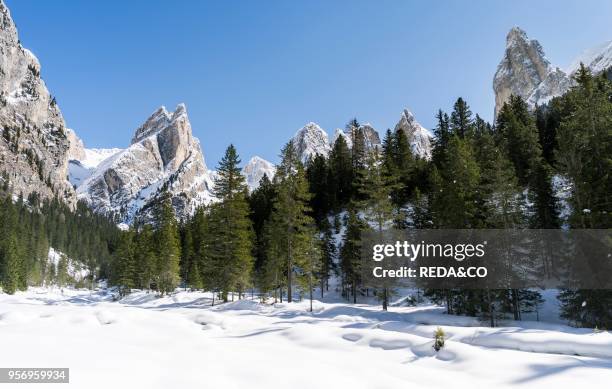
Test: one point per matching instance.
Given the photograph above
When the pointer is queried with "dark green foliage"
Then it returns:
(340, 177)
(229, 247)
(29, 228)
(291, 229)
(461, 119)
(317, 174)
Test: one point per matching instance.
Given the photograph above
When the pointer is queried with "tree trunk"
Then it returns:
(492, 317)
(385, 299)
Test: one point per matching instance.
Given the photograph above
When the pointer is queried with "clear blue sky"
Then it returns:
(253, 72)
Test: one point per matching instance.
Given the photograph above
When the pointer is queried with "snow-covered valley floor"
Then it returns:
(180, 341)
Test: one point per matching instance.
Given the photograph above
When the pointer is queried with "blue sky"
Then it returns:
(253, 72)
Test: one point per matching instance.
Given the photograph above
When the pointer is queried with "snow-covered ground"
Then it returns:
(180, 341)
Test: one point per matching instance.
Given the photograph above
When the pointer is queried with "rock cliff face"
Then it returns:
(523, 67)
(418, 136)
(34, 144)
(163, 157)
(524, 70)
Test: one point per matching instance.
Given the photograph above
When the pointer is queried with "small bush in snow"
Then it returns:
(439, 336)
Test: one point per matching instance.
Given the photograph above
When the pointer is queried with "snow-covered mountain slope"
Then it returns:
(33, 144)
(163, 155)
(311, 140)
(79, 169)
(598, 59)
(93, 157)
(418, 136)
(340, 133)
(255, 169)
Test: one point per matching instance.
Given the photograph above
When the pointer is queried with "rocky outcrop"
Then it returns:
(34, 145)
(523, 67)
(371, 136)
(163, 157)
(254, 171)
(524, 70)
(418, 136)
(311, 140)
(76, 148)
(555, 84)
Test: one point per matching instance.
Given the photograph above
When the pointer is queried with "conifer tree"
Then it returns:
(231, 250)
(350, 254)
(328, 256)
(168, 247)
(124, 266)
(461, 119)
(317, 175)
(290, 219)
(340, 174)
(455, 188)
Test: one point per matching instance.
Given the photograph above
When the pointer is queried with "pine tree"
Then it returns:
(350, 254)
(455, 187)
(519, 137)
(461, 119)
(290, 219)
(340, 174)
(231, 250)
(124, 265)
(168, 247)
(442, 135)
(585, 146)
(328, 256)
(317, 175)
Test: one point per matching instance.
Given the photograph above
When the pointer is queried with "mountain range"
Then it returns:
(38, 153)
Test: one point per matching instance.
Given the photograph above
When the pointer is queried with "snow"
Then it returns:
(181, 341)
(254, 171)
(598, 58)
(311, 140)
(93, 157)
(75, 269)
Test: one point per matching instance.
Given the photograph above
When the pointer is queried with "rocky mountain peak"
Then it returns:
(255, 169)
(163, 156)
(311, 140)
(155, 123)
(522, 68)
(418, 136)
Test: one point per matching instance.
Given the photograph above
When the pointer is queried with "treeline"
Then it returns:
(293, 232)
(29, 227)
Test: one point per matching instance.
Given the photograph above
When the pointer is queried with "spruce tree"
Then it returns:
(231, 250)
(168, 247)
(292, 224)
(461, 119)
(340, 174)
